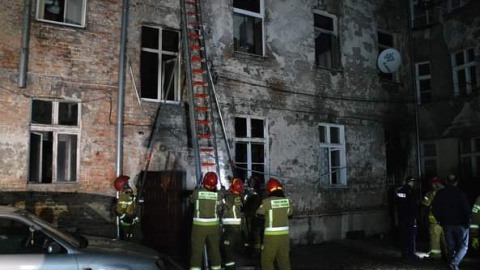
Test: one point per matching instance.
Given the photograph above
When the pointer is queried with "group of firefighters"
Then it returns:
(226, 222)
(453, 225)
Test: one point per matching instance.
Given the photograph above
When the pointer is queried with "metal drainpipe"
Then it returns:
(121, 95)
(22, 70)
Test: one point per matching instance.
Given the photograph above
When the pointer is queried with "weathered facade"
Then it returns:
(445, 35)
(297, 85)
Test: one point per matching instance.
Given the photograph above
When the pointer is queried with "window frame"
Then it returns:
(326, 176)
(471, 155)
(249, 141)
(425, 157)
(160, 76)
(426, 17)
(56, 130)
(419, 78)
(466, 66)
(335, 52)
(258, 15)
(40, 16)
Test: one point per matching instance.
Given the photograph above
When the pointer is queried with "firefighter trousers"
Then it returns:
(437, 241)
(276, 249)
(205, 235)
(231, 239)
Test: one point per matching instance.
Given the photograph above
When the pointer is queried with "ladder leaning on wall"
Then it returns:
(204, 110)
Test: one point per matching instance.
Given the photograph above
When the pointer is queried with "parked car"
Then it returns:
(29, 242)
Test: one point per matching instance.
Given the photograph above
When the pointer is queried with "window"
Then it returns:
(248, 26)
(385, 41)
(54, 136)
(333, 170)
(423, 80)
(464, 72)
(428, 151)
(455, 4)
(250, 147)
(422, 12)
(326, 41)
(160, 64)
(67, 12)
(470, 154)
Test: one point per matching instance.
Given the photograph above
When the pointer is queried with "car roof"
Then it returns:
(7, 209)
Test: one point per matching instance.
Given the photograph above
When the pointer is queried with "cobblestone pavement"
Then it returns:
(362, 254)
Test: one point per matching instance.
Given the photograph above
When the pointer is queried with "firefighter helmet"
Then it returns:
(434, 180)
(210, 180)
(273, 184)
(237, 186)
(121, 182)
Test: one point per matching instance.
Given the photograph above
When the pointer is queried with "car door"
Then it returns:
(24, 247)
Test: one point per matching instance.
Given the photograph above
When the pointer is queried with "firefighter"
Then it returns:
(276, 210)
(126, 209)
(232, 218)
(253, 225)
(206, 225)
(475, 225)
(407, 221)
(435, 231)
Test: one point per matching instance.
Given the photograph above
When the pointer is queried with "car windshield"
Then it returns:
(49, 227)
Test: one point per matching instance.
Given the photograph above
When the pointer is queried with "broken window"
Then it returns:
(385, 41)
(464, 72)
(429, 159)
(326, 41)
(248, 26)
(54, 135)
(423, 80)
(332, 162)
(67, 12)
(250, 147)
(160, 64)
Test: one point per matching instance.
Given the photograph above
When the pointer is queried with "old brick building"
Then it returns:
(297, 83)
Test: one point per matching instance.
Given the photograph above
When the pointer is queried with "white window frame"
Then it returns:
(472, 155)
(467, 67)
(56, 131)
(249, 141)
(260, 15)
(423, 77)
(333, 59)
(425, 157)
(326, 149)
(161, 76)
(420, 19)
(41, 7)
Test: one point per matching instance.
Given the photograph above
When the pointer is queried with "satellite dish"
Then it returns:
(389, 60)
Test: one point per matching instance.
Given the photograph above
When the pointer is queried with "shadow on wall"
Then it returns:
(87, 214)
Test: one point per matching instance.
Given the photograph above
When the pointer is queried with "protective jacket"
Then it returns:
(276, 211)
(475, 225)
(427, 202)
(232, 220)
(126, 208)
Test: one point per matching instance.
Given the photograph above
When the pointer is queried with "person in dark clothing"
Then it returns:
(406, 201)
(452, 210)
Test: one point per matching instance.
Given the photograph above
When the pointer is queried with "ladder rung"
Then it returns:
(196, 58)
(197, 71)
(206, 149)
(191, 13)
(205, 136)
(201, 109)
(200, 95)
(191, 3)
(199, 83)
(194, 24)
(194, 35)
(195, 47)
(208, 164)
(202, 122)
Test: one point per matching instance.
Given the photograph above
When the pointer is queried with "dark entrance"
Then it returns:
(165, 225)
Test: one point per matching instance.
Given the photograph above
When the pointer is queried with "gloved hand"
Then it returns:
(475, 243)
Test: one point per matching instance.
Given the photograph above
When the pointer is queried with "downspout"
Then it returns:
(121, 95)
(22, 70)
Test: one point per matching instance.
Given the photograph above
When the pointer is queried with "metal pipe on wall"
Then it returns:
(22, 70)
(121, 95)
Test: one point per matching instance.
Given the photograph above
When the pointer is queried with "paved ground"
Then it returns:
(365, 254)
